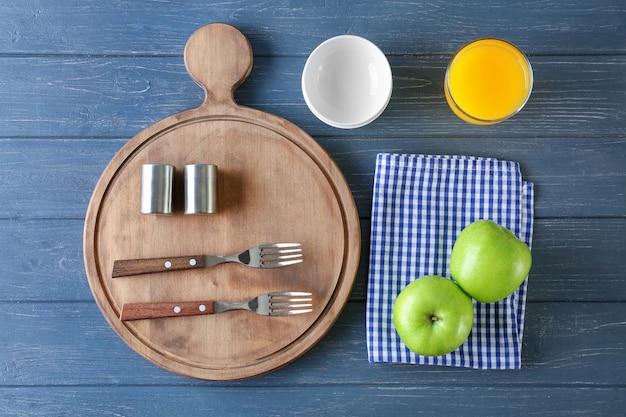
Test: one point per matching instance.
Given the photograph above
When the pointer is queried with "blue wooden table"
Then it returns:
(79, 78)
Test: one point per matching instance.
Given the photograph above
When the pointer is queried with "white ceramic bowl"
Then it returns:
(347, 82)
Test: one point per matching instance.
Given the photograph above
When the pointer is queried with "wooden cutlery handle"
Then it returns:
(127, 267)
(139, 311)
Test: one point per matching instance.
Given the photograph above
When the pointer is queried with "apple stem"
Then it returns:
(433, 317)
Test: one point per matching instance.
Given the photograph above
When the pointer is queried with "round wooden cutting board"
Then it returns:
(275, 184)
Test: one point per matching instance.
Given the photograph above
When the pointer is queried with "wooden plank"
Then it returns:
(42, 261)
(58, 96)
(567, 257)
(334, 400)
(571, 176)
(48, 179)
(70, 344)
(288, 28)
(574, 177)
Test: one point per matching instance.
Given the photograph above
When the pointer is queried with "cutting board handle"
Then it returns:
(219, 58)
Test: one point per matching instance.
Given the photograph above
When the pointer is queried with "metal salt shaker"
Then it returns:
(200, 189)
(156, 188)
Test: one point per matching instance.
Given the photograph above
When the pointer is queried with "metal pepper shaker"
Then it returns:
(156, 188)
(200, 189)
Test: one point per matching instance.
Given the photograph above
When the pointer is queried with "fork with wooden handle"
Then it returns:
(268, 304)
(269, 255)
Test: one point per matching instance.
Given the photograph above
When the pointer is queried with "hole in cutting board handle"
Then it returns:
(219, 58)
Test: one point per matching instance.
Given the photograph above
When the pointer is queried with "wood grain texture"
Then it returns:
(152, 310)
(128, 267)
(573, 96)
(320, 401)
(565, 345)
(295, 27)
(78, 79)
(574, 176)
(572, 261)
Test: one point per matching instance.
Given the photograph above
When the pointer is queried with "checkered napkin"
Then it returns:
(420, 205)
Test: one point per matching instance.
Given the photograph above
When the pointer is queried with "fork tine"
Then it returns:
(279, 245)
(290, 294)
(289, 303)
(280, 263)
(278, 248)
(274, 258)
(289, 312)
(278, 251)
(279, 255)
(273, 248)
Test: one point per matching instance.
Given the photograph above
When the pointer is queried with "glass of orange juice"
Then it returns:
(487, 81)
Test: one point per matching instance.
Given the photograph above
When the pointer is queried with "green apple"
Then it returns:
(433, 315)
(488, 261)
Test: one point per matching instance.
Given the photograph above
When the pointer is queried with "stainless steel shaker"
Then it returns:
(156, 188)
(200, 189)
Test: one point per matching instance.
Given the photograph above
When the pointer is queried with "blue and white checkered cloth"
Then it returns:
(420, 205)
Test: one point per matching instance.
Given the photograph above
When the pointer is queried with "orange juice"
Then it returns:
(488, 81)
